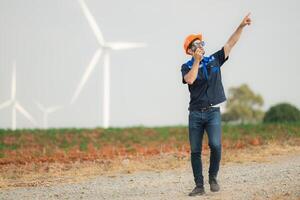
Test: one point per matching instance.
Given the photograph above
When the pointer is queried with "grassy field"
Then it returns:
(27, 145)
(43, 157)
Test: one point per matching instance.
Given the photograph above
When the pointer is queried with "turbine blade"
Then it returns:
(53, 109)
(92, 22)
(25, 113)
(5, 104)
(13, 82)
(125, 45)
(86, 74)
(40, 106)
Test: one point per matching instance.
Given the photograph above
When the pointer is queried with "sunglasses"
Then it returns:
(197, 44)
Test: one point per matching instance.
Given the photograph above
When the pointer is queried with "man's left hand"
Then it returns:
(246, 21)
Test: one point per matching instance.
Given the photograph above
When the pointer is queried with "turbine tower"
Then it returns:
(104, 48)
(16, 106)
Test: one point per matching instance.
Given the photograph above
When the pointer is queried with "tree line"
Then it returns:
(245, 106)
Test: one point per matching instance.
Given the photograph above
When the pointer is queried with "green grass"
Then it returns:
(67, 138)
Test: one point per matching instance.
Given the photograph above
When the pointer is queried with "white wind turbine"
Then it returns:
(46, 112)
(105, 48)
(16, 106)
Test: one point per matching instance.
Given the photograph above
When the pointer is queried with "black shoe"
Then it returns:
(214, 186)
(198, 190)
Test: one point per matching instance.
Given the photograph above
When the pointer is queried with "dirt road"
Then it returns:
(279, 178)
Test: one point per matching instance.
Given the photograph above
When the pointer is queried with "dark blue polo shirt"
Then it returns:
(210, 91)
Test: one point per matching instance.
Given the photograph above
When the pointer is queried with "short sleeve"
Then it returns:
(220, 56)
(184, 70)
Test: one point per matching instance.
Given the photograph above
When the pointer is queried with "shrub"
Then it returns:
(283, 112)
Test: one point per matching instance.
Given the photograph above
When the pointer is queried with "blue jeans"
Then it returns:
(210, 121)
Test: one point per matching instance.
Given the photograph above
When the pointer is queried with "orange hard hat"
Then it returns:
(189, 39)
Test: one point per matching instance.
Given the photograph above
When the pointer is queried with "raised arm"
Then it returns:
(236, 35)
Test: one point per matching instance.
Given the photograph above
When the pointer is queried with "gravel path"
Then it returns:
(277, 179)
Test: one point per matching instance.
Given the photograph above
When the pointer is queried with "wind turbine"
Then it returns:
(16, 106)
(46, 112)
(104, 48)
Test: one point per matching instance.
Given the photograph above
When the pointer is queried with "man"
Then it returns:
(203, 76)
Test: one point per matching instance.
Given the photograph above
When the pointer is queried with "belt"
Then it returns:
(204, 108)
